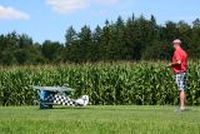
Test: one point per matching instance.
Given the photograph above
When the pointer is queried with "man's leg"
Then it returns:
(182, 99)
(181, 83)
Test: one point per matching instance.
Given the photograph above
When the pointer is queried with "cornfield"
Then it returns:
(144, 83)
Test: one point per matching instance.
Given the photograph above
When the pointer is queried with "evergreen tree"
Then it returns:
(70, 36)
(85, 37)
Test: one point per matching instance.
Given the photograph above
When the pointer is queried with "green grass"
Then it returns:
(100, 120)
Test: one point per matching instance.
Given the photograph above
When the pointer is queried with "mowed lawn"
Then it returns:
(100, 120)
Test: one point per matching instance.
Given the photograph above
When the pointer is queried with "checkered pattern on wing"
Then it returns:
(60, 99)
(50, 98)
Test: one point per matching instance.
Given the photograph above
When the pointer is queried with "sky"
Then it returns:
(49, 19)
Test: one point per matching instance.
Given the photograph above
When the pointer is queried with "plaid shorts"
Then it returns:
(181, 81)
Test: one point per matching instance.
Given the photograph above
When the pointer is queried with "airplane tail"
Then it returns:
(83, 101)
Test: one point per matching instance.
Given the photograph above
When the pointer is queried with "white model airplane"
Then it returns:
(55, 95)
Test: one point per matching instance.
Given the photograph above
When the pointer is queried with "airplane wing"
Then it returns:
(53, 88)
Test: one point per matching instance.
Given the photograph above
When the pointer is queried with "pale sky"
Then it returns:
(49, 19)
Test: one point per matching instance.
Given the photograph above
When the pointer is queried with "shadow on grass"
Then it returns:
(64, 107)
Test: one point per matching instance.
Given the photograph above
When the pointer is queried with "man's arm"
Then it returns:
(174, 63)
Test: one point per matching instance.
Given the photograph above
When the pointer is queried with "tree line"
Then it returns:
(131, 40)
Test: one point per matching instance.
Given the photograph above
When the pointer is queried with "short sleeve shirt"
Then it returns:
(180, 54)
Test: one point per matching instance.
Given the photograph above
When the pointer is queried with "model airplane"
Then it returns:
(55, 95)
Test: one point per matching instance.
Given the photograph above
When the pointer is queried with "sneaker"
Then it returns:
(182, 109)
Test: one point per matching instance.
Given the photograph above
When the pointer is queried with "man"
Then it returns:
(179, 66)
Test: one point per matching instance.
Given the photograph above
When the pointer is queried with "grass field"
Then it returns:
(100, 120)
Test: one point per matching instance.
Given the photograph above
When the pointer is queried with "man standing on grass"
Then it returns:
(179, 66)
